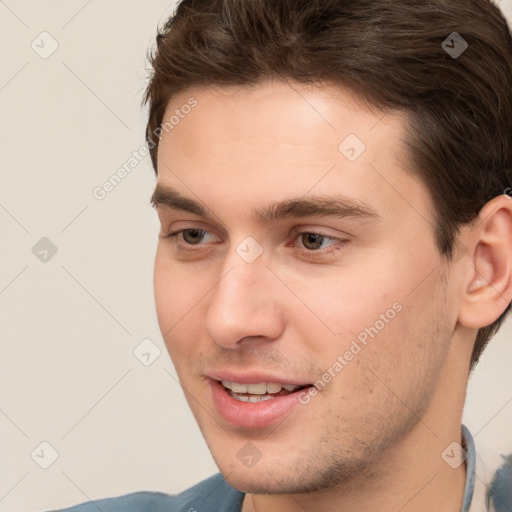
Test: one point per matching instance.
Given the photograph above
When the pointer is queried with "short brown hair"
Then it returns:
(387, 51)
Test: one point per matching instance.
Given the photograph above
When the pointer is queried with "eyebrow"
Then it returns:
(321, 206)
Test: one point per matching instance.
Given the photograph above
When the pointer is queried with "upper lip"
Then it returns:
(254, 378)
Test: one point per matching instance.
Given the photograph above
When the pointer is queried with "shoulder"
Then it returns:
(138, 501)
(499, 493)
(212, 494)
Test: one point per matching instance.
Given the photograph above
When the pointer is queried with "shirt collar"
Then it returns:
(469, 446)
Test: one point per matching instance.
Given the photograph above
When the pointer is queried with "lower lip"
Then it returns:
(252, 414)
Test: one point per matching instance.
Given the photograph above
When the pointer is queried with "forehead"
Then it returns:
(278, 139)
(281, 115)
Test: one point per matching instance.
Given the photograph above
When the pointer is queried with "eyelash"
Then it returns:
(183, 246)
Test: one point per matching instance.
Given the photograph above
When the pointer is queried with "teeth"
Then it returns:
(260, 388)
(257, 389)
(251, 398)
(273, 388)
(238, 388)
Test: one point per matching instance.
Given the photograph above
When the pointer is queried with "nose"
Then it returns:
(244, 305)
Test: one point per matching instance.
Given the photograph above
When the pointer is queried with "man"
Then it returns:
(333, 188)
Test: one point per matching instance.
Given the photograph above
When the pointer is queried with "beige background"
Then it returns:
(70, 324)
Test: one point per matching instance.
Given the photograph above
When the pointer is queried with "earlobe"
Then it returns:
(487, 290)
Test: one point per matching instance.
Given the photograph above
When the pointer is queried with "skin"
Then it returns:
(372, 438)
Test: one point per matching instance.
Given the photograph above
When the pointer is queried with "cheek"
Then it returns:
(402, 345)
(385, 316)
(165, 293)
(176, 300)
(344, 305)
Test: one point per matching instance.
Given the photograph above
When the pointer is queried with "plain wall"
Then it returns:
(70, 324)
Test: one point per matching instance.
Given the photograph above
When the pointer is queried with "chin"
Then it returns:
(274, 477)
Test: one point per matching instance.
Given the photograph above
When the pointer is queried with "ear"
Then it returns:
(487, 281)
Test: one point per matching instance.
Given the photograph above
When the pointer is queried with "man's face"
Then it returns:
(300, 257)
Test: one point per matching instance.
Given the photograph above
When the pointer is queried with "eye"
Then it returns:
(316, 241)
(192, 236)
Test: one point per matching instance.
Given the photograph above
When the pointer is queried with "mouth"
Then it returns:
(255, 403)
(259, 392)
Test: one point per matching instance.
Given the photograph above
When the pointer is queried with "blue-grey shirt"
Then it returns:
(491, 494)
